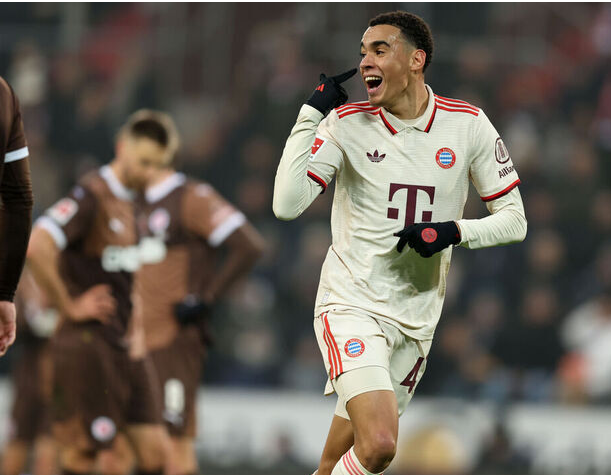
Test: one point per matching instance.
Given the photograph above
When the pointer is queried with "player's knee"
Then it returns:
(377, 450)
(151, 454)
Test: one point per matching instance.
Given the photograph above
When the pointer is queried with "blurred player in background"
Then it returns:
(83, 253)
(29, 434)
(208, 245)
(403, 161)
(15, 208)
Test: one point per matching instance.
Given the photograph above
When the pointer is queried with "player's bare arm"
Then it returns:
(97, 303)
(244, 246)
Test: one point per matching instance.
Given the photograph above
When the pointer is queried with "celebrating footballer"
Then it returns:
(402, 161)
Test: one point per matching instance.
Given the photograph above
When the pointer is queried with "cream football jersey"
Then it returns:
(390, 174)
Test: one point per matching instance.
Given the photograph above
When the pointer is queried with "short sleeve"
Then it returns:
(491, 170)
(326, 156)
(13, 135)
(69, 220)
(207, 214)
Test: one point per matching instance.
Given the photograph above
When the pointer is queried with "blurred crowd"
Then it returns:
(525, 322)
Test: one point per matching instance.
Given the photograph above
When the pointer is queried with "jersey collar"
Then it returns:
(165, 187)
(116, 187)
(422, 123)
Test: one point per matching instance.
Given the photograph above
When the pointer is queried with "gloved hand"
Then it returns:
(329, 94)
(428, 238)
(191, 310)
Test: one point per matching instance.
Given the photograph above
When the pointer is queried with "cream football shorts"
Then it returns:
(363, 354)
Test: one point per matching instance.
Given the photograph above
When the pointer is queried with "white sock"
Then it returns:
(350, 465)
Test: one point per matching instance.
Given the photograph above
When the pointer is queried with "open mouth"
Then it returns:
(373, 83)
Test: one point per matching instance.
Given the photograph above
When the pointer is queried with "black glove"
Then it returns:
(428, 238)
(329, 94)
(191, 310)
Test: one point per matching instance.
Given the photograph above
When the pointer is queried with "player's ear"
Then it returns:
(418, 59)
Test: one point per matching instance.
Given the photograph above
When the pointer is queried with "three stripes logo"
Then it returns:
(320, 88)
(354, 347)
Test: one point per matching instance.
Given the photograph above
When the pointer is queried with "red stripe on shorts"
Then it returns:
(340, 368)
(331, 356)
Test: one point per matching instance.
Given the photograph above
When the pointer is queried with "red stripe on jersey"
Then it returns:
(352, 108)
(354, 104)
(456, 101)
(468, 111)
(350, 112)
(387, 124)
(346, 463)
(340, 367)
(428, 126)
(502, 192)
(453, 104)
(318, 180)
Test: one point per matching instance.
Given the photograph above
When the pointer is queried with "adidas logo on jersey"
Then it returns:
(375, 158)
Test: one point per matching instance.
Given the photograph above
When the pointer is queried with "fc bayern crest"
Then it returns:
(354, 347)
(159, 220)
(446, 158)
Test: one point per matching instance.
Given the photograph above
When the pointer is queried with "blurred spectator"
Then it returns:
(587, 336)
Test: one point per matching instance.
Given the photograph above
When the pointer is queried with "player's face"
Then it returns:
(142, 159)
(386, 64)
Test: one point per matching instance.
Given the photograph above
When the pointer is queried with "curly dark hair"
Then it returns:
(415, 30)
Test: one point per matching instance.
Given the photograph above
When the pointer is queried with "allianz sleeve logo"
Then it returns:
(150, 250)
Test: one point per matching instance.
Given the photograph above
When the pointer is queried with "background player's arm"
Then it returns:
(64, 224)
(244, 246)
(496, 180)
(43, 260)
(212, 218)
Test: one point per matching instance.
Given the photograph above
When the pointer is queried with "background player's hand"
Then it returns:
(97, 303)
(191, 310)
(329, 94)
(428, 238)
(8, 325)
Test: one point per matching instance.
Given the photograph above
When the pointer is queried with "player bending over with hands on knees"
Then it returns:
(402, 162)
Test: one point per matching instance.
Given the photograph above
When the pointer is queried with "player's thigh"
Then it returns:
(407, 366)
(184, 459)
(14, 457)
(45, 456)
(375, 420)
(149, 444)
(118, 460)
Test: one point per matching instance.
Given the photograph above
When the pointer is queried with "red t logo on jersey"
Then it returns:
(317, 144)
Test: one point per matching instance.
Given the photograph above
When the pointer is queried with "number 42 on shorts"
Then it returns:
(412, 377)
